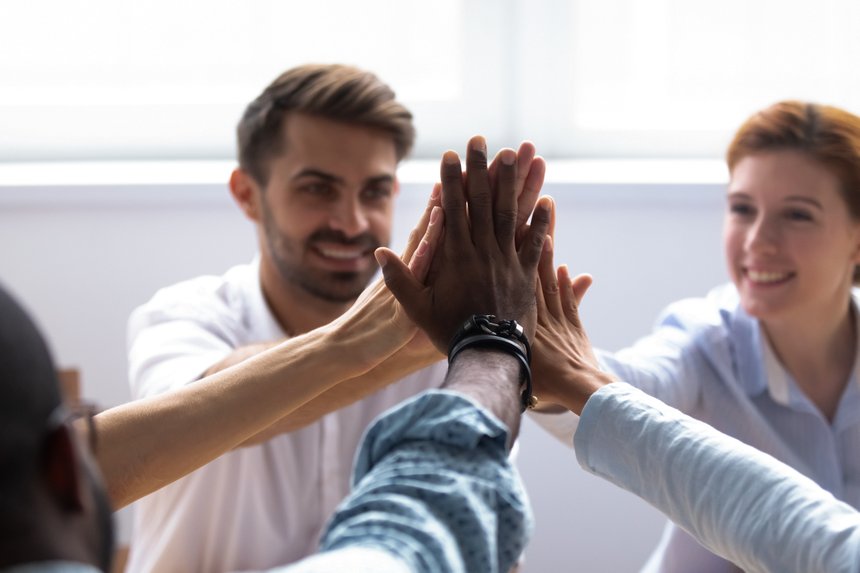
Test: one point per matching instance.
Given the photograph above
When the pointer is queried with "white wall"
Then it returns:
(81, 257)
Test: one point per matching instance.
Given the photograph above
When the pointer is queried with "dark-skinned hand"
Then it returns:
(477, 267)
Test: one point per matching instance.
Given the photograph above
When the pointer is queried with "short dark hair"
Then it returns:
(29, 392)
(333, 91)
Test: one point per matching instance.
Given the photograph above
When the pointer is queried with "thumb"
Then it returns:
(400, 281)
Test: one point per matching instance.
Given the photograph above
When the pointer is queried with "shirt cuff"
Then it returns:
(441, 416)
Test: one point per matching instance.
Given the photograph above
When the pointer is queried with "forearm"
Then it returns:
(493, 380)
(407, 360)
(737, 501)
(238, 355)
(146, 444)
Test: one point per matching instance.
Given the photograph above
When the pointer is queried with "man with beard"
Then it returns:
(318, 152)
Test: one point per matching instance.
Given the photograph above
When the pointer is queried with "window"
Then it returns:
(116, 79)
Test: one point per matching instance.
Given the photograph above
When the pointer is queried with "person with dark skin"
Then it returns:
(434, 490)
(63, 521)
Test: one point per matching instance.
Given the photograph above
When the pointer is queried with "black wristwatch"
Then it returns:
(486, 331)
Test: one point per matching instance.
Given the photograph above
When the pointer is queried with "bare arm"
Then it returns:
(524, 186)
(238, 355)
(146, 444)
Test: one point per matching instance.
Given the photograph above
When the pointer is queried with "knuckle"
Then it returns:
(506, 217)
(478, 160)
(536, 240)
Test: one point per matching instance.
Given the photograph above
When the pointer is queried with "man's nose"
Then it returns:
(348, 217)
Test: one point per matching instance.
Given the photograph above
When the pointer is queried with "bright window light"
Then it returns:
(116, 79)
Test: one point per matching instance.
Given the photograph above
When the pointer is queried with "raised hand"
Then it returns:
(564, 368)
(531, 170)
(477, 268)
(378, 319)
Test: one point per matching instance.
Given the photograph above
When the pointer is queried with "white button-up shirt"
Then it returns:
(255, 507)
(711, 360)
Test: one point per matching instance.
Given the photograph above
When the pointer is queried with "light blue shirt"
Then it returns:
(433, 492)
(738, 501)
(709, 359)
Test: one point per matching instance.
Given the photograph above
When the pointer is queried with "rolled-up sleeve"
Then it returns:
(433, 485)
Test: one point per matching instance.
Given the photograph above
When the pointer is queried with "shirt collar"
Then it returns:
(746, 344)
(779, 383)
(261, 321)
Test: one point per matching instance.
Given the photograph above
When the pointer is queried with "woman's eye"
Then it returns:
(799, 215)
(741, 209)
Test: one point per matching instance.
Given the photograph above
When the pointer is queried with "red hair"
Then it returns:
(828, 134)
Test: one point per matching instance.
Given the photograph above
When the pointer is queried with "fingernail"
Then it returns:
(422, 248)
(381, 258)
(434, 214)
(508, 156)
(450, 158)
(479, 143)
(437, 190)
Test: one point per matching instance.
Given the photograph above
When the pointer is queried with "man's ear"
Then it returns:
(62, 469)
(246, 193)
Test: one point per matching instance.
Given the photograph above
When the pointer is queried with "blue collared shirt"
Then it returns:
(711, 360)
(433, 492)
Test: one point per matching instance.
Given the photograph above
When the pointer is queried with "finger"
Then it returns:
(505, 200)
(420, 263)
(531, 189)
(454, 202)
(478, 191)
(580, 285)
(525, 156)
(493, 170)
(569, 300)
(416, 235)
(549, 280)
(408, 291)
(532, 244)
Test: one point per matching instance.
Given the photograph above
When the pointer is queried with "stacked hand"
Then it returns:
(564, 368)
(477, 267)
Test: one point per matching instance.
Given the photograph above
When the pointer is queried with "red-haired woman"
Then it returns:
(772, 358)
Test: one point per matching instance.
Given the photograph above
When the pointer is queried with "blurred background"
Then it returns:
(117, 138)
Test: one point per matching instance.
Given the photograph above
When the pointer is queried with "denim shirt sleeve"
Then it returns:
(737, 501)
(433, 485)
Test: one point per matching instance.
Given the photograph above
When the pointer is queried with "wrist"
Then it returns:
(582, 385)
(358, 349)
(492, 379)
(482, 331)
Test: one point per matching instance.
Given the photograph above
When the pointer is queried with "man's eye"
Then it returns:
(376, 193)
(317, 189)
